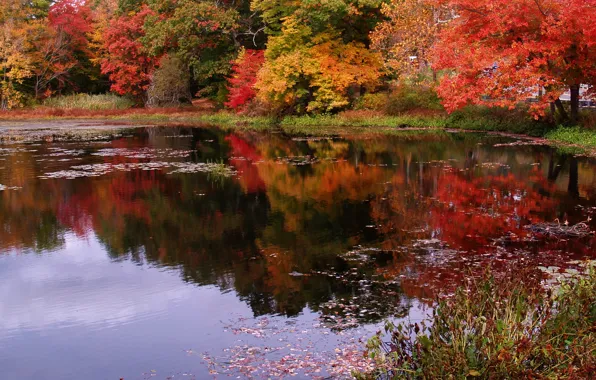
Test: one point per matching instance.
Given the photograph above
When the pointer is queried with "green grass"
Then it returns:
(374, 121)
(574, 136)
(496, 329)
(222, 119)
(497, 119)
(89, 102)
(325, 125)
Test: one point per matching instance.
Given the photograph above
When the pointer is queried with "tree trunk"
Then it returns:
(574, 90)
(561, 109)
(553, 173)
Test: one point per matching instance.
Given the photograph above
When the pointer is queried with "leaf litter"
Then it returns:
(269, 348)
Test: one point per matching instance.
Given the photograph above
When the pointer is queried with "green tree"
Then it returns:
(201, 33)
(169, 84)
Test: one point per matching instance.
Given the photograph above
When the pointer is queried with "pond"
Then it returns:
(186, 252)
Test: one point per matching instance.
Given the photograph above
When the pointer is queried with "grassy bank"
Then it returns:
(573, 137)
(351, 122)
(496, 329)
(473, 118)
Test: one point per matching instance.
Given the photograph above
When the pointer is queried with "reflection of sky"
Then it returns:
(75, 313)
(80, 285)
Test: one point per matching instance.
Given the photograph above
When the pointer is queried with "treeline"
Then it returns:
(300, 56)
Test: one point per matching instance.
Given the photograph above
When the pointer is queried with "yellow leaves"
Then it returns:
(327, 69)
(406, 37)
(310, 62)
(15, 58)
(474, 373)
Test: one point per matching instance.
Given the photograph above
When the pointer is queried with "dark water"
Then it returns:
(160, 253)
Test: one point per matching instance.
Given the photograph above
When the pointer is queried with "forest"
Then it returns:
(284, 57)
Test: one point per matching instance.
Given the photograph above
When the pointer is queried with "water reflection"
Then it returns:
(306, 224)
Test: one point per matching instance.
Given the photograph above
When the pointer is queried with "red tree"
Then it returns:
(241, 84)
(501, 52)
(60, 43)
(72, 17)
(128, 66)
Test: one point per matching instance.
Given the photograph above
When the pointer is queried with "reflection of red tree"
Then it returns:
(470, 213)
(74, 211)
(244, 154)
(114, 198)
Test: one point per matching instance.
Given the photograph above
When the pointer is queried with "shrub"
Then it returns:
(401, 98)
(498, 119)
(497, 329)
(588, 118)
(89, 102)
(373, 102)
(404, 98)
(170, 84)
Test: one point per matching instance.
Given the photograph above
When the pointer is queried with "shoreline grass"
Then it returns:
(574, 139)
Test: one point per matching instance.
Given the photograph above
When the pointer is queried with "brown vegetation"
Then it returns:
(51, 113)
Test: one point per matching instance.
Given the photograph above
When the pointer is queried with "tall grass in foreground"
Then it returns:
(89, 102)
(496, 330)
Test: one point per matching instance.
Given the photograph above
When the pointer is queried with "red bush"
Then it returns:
(241, 84)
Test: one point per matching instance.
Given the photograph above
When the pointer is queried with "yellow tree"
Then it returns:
(103, 13)
(317, 53)
(15, 62)
(408, 33)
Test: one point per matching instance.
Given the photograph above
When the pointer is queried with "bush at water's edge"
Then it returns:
(496, 329)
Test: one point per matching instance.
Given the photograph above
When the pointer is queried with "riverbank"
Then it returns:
(574, 139)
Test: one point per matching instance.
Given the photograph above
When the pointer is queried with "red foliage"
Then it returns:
(241, 84)
(62, 42)
(244, 156)
(128, 67)
(72, 17)
(502, 50)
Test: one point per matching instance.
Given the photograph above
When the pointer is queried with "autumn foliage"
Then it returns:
(503, 52)
(298, 56)
(241, 84)
(128, 66)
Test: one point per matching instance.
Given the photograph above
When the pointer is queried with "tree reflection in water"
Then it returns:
(306, 222)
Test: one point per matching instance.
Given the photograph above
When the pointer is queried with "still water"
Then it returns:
(173, 252)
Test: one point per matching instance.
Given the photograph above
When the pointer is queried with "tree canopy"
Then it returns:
(302, 56)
